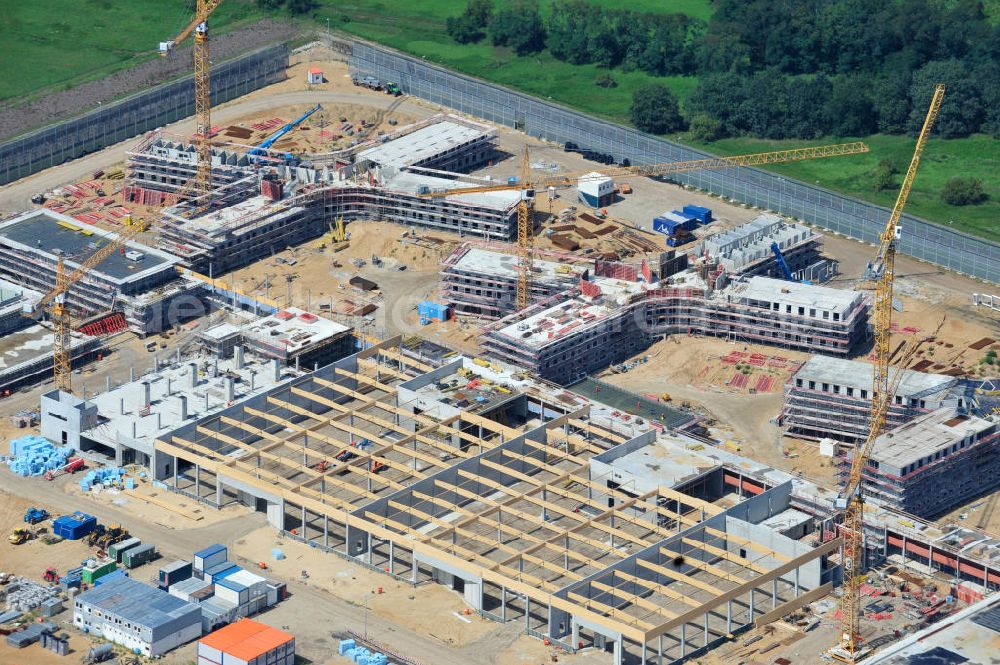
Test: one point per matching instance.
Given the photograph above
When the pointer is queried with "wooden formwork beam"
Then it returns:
(656, 587)
(612, 612)
(749, 544)
(633, 599)
(722, 554)
(680, 577)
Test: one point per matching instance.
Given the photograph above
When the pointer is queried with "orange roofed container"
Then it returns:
(247, 641)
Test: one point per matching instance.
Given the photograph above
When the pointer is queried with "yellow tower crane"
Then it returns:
(202, 90)
(527, 185)
(851, 500)
(55, 301)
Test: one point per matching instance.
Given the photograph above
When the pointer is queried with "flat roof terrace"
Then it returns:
(46, 234)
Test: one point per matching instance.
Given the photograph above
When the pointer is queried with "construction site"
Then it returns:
(391, 377)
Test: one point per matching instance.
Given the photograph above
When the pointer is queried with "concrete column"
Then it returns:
(182, 407)
(121, 405)
(193, 375)
(659, 650)
(503, 605)
(326, 531)
(156, 364)
(683, 640)
(146, 394)
(230, 389)
(107, 383)
(169, 389)
(706, 628)
(619, 650)
(392, 558)
(238, 356)
(729, 617)
(302, 526)
(197, 480)
(276, 370)
(131, 374)
(527, 613)
(774, 593)
(214, 371)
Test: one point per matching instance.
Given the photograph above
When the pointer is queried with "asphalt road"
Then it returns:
(314, 615)
(17, 196)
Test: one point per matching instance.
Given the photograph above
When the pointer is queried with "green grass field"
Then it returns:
(53, 44)
(977, 156)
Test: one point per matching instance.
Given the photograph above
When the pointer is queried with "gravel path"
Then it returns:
(19, 118)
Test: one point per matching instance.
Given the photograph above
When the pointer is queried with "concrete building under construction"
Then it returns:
(831, 398)
(603, 320)
(140, 282)
(749, 250)
(447, 472)
(934, 463)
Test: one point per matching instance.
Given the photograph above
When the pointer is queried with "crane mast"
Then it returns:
(526, 184)
(851, 501)
(202, 89)
(57, 303)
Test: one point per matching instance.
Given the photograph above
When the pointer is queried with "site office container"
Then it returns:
(702, 214)
(139, 555)
(110, 577)
(102, 568)
(211, 556)
(118, 549)
(175, 572)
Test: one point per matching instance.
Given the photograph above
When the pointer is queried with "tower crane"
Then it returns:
(851, 500)
(57, 305)
(527, 185)
(202, 91)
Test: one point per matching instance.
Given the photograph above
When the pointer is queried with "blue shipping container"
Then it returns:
(688, 223)
(432, 310)
(75, 526)
(702, 214)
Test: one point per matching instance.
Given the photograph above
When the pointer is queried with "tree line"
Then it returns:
(776, 68)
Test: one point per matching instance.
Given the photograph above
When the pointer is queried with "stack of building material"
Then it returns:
(23, 595)
(30, 635)
(106, 477)
(34, 455)
(360, 654)
(247, 641)
(56, 643)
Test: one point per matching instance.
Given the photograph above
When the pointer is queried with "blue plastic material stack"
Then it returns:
(433, 311)
(33, 456)
(277, 554)
(361, 655)
(108, 476)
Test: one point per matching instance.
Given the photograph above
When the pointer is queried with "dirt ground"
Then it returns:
(430, 609)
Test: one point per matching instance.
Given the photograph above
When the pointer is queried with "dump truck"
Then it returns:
(20, 536)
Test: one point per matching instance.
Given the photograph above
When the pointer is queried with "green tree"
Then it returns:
(962, 191)
(654, 110)
(519, 26)
(302, 6)
(882, 176)
(470, 25)
(704, 128)
(605, 80)
(270, 5)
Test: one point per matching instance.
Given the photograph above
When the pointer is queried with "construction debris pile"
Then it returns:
(111, 476)
(34, 456)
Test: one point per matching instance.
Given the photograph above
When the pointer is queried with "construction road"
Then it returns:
(316, 615)
(17, 196)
